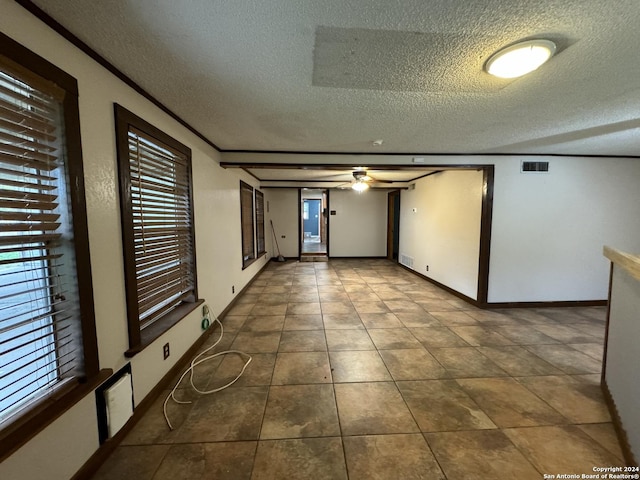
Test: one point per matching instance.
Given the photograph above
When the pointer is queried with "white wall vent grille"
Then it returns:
(534, 167)
(406, 260)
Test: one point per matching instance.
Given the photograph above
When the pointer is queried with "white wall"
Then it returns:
(283, 210)
(549, 229)
(359, 227)
(440, 227)
(623, 351)
(218, 252)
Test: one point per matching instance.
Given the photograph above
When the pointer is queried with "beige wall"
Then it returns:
(440, 227)
(218, 253)
(359, 227)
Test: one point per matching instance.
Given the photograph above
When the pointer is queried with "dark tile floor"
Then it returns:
(362, 370)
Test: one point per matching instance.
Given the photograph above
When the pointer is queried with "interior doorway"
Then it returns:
(314, 209)
(393, 225)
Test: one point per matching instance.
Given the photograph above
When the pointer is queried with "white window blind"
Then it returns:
(40, 345)
(162, 226)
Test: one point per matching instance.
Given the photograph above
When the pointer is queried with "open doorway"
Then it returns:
(314, 209)
(393, 225)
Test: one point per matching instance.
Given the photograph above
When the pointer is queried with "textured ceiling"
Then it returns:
(334, 75)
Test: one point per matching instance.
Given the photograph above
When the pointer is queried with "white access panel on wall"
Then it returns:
(119, 402)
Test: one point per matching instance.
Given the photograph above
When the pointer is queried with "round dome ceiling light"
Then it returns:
(520, 59)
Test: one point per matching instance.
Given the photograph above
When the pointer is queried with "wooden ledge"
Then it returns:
(631, 263)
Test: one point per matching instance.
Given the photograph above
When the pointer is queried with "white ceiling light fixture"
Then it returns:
(520, 59)
(360, 186)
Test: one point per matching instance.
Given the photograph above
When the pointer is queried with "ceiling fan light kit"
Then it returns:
(520, 58)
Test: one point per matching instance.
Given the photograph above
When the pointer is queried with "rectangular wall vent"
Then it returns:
(406, 260)
(534, 167)
(119, 403)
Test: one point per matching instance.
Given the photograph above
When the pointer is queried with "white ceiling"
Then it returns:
(335, 75)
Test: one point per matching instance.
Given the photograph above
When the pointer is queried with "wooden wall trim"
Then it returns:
(621, 433)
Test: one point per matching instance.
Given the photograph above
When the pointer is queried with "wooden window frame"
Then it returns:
(261, 247)
(139, 338)
(18, 430)
(247, 213)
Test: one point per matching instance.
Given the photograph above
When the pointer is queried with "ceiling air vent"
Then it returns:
(534, 167)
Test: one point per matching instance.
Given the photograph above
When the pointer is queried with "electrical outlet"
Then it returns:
(233, 289)
(427, 268)
(165, 351)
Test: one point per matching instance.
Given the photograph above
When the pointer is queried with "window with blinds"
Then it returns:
(41, 311)
(246, 219)
(157, 218)
(260, 245)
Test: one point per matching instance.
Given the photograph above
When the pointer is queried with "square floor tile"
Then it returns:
(466, 362)
(365, 366)
(372, 408)
(337, 307)
(578, 401)
(302, 368)
(258, 372)
(303, 308)
(270, 305)
(208, 461)
(231, 414)
(436, 305)
(480, 455)
(442, 405)
(509, 404)
(412, 364)
(417, 319)
(263, 323)
(152, 428)
(303, 322)
(313, 458)
(370, 307)
(594, 350)
(303, 341)
(518, 361)
(403, 306)
(348, 340)
(305, 296)
(566, 334)
(342, 321)
(380, 320)
(524, 335)
(139, 462)
(295, 411)
(606, 436)
(478, 335)
(393, 338)
(256, 342)
(489, 317)
(363, 296)
(454, 318)
(330, 297)
(567, 359)
(561, 449)
(438, 337)
(241, 309)
(390, 457)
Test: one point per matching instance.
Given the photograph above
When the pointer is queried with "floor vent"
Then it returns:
(534, 167)
(406, 260)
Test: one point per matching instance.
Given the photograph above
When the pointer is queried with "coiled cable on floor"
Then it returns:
(198, 361)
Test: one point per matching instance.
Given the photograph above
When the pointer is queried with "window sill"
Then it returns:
(26, 426)
(251, 261)
(160, 327)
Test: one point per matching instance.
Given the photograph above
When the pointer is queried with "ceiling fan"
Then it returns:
(362, 180)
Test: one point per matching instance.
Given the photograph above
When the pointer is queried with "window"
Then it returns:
(260, 245)
(157, 228)
(47, 328)
(246, 219)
